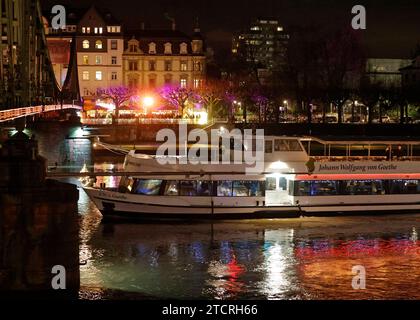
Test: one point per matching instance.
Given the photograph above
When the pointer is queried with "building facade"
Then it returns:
(99, 48)
(385, 72)
(155, 58)
(411, 75)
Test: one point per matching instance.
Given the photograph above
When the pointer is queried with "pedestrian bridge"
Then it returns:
(11, 114)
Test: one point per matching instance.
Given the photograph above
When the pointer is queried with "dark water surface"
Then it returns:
(306, 258)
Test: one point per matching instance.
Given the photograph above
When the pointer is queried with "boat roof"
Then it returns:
(363, 140)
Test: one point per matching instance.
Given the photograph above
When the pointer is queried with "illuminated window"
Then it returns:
(85, 44)
(95, 30)
(88, 30)
(98, 75)
(168, 48)
(83, 30)
(183, 82)
(98, 44)
(183, 48)
(184, 66)
(85, 59)
(98, 59)
(85, 75)
(197, 83)
(100, 30)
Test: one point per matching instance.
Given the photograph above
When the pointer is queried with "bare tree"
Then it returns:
(178, 97)
(118, 95)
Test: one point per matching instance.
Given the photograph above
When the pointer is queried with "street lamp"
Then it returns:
(148, 102)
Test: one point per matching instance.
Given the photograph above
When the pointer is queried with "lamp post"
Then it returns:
(148, 102)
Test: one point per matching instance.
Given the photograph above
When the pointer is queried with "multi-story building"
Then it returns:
(385, 72)
(263, 44)
(99, 48)
(154, 58)
(411, 75)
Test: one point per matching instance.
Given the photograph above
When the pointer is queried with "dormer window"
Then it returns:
(85, 44)
(113, 29)
(98, 44)
(152, 48)
(183, 48)
(168, 48)
(133, 46)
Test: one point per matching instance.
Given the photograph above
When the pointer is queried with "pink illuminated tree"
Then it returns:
(118, 95)
(178, 97)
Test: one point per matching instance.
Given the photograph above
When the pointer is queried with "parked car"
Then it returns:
(385, 119)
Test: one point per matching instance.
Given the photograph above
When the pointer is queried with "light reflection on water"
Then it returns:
(309, 258)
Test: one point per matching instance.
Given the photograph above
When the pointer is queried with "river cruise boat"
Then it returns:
(302, 176)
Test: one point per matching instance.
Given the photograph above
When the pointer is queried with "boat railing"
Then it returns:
(364, 158)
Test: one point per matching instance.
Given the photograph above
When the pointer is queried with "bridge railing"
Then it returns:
(10, 114)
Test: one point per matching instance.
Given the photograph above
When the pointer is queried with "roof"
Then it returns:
(74, 15)
(159, 37)
(156, 33)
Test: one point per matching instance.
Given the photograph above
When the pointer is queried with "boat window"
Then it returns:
(248, 188)
(127, 184)
(268, 147)
(187, 188)
(224, 188)
(368, 187)
(270, 183)
(315, 188)
(405, 186)
(294, 145)
(204, 188)
(148, 187)
(287, 145)
(324, 188)
(171, 188)
(283, 183)
(411, 186)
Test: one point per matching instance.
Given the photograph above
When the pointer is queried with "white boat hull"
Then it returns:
(114, 204)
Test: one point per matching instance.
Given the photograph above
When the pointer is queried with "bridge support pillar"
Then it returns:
(38, 226)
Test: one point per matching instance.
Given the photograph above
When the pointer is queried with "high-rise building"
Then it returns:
(263, 43)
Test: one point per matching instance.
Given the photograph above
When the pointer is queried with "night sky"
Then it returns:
(393, 27)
